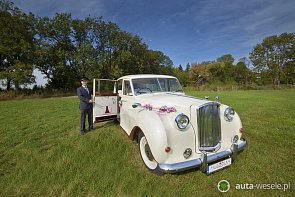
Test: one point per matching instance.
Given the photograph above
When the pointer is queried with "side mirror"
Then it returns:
(217, 98)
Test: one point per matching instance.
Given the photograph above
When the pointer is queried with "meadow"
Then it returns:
(43, 154)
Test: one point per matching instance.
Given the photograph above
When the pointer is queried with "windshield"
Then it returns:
(152, 85)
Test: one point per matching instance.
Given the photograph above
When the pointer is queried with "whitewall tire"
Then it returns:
(147, 156)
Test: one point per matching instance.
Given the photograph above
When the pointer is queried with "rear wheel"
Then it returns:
(147, 156)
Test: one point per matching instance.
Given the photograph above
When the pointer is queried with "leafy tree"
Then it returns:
(216, 71)
(55, 51)
(73, 48)
(289, 72)
(241, 73)
(160, 63)
(273, 55)
(199, 73)
(228, 58)
(182, 77)
(16, 45)
(228, 61)
(251, 75)
(64, 49)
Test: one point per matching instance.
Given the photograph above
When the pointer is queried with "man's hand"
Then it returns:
(91, 101)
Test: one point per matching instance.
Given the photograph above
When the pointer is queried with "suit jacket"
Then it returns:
(84, 97)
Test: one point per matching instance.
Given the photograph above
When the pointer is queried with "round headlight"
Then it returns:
(182, 121)
(229, 114)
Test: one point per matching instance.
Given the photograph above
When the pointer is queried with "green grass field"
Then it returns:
(42, 153)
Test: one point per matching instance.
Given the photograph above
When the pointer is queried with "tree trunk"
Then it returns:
(8, 85)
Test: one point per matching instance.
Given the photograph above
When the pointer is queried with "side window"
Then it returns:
(127, 88)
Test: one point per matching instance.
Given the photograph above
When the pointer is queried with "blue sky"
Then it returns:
(185, 30)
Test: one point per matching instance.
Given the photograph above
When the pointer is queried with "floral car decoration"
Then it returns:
(175, 132)
(161, 109)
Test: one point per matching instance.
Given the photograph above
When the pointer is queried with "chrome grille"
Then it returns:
(209, 129)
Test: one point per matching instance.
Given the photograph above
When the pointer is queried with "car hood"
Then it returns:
(170, 100)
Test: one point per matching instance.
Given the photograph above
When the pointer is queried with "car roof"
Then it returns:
(145, 76)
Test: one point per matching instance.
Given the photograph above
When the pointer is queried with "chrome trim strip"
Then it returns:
(242, 145)
(209, 103)
(178, 167)
(210, 149)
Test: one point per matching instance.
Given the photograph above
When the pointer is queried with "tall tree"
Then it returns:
(216, 71)
(273, 55)
(64, 49)
(16, 45)
(228, 61)
(54, 56)
(71, 48)
(241, 73)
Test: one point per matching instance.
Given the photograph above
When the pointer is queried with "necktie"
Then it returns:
(86, 89)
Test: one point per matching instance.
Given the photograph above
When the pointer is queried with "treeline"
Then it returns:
(64, 49)
(270, 63)
(222, 70)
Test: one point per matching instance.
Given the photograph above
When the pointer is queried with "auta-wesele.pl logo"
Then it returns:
(223, 186)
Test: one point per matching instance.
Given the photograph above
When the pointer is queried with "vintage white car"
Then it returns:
(175, 132)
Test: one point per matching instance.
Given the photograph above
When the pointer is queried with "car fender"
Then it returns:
(152, 126)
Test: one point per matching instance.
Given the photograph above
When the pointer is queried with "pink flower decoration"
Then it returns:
(171, 109)
(148, 106)
(161, 109)
(167, 109)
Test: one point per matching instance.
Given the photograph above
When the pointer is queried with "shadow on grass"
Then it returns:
(105, 124)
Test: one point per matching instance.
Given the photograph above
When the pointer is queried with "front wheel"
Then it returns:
(147, 156)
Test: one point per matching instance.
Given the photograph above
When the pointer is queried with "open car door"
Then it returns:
(106, 100)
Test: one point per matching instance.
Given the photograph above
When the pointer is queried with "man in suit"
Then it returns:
(84, 93)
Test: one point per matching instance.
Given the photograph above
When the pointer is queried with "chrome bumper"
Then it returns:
(204, 160)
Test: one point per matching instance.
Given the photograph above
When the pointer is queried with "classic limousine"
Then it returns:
(175, 132)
